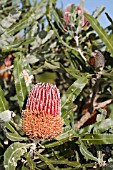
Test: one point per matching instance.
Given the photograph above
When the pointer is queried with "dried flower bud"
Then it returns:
(80, 12)
(42, 117)
(97, 60)
(6, 74)
(9, 60)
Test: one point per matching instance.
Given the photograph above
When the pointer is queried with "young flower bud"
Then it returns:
(42, 117)
(79, 11)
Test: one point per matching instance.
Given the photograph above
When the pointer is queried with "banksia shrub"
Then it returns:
(79, 11)
(42, 117)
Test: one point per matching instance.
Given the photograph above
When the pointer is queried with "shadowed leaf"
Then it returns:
(3, 101)
(19, 81)
(88, 155)
(100, 31)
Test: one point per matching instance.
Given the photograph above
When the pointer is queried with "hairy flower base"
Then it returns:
(41, 126)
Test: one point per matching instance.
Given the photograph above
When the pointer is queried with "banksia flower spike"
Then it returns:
(42, 117)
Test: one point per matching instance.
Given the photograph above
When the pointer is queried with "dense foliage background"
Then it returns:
(37, 45)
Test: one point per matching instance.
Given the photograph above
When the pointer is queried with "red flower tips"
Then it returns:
(42, 117)
(79, 11)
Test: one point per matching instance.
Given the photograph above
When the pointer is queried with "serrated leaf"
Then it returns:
(66, 162)
(23, 23)
(26, 21)
(66, 134)
(42, 38)
(10, 128)
(57, 19)
(3, 101)
(30, 161)
(11, 18)
(61, 39)
(98, 138)
(74, 90)
(103, 126)
(57, 143)
(6, 40)
(63, 138)
(15, 137)
(46, 160)
(20, 85)
(100, 31)
(13, 154)
(31, 59)
(88, 155)
(98, 11)
(52, 65)
(71, 94)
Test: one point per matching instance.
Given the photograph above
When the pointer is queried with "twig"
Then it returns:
(6, 69)
(102, 104)
(83, 119)
(78, 49)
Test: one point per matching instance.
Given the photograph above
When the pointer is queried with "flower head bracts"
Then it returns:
(44, 98)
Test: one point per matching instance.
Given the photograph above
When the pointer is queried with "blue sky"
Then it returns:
(90, 6)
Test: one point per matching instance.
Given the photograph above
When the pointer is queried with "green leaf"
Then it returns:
(11, 18)
(66, 135)
(24, 168)
(27, 20)
(61, 38)
(98, 138)
(10, 128)
(66, 162)
(41, 39)
(88, 155)
(15, 136)
(46, 160)
(6, 40)
(100, 31)
(71, 94)
(74, 90)
(63, 138)
(57, 143)
(1, 145)
(2, 2)
(30, 161)
(13, 154)
(98, 11)
(57, 19)
(103, 126)
(20, 85)
(3, 101)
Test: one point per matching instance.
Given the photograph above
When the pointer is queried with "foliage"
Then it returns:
(45, 49)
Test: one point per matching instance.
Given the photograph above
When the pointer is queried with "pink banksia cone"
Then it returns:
(42, 117)
(80, 12)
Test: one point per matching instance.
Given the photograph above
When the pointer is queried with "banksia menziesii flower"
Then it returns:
(42, 117)
(79, 11)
